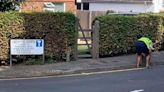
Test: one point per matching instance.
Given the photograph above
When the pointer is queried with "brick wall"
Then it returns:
(71, 7)
(37, 5)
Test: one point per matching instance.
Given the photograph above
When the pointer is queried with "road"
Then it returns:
(144, 80)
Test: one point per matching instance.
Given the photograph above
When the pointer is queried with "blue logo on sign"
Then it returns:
(39, 43)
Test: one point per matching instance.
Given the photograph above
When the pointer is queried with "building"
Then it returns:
(136, 6)
(48, 5)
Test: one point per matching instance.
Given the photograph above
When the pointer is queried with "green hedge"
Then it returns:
(118, 33)
(57, 29)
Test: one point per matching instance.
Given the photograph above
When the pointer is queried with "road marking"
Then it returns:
(124, 70)
(69, 75)
(138, 90)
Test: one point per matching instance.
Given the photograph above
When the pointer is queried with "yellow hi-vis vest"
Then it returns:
(147, 41)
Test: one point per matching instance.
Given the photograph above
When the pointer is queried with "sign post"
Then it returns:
(26, 47)
(10, 60)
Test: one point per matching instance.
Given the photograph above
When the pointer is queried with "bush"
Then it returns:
(57, 29)
(31, 61)
(118, 33)
(11, 26)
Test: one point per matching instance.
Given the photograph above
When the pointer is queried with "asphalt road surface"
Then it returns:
(144, 80)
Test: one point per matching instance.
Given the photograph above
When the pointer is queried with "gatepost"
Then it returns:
(95, 42)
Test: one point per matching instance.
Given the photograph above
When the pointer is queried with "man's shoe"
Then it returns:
(148, 67)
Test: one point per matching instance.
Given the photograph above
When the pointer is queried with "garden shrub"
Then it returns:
(118, 33)
(57, 29)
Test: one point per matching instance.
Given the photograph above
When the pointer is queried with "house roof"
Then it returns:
(119, 1)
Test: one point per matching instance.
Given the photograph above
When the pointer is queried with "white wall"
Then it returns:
(79, 1)
(157, 5)
(141, 8)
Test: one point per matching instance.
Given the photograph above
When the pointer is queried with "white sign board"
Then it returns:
(27, 46)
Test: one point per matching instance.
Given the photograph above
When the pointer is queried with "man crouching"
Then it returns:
(144, 48)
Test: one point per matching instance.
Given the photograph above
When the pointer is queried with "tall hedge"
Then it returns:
(11, 26)
(57, 29)
(118, 33)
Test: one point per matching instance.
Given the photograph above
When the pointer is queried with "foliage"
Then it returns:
(33, 62)
(118, 33)
(57, 29)
(7, 5)
(11, 26)
(58, 33)
(83, 49)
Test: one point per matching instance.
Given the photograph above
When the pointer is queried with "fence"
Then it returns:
(87, 34)
(94, 49)
(86, 17)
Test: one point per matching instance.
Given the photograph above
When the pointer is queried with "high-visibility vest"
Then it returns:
(147, 41)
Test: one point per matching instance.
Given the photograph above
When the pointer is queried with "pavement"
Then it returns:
(76, 67)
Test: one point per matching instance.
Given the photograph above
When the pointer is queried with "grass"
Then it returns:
(83, 49)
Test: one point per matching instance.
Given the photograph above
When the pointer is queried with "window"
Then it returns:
(53, 6)
(78, 6)
(85, 6)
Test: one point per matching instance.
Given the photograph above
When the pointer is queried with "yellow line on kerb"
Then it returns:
(69, 75)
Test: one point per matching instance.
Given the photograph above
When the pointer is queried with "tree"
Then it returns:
(7, 5)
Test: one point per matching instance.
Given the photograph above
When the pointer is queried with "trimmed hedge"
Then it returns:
(57, 29)
(118, 33)
(11, 26)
